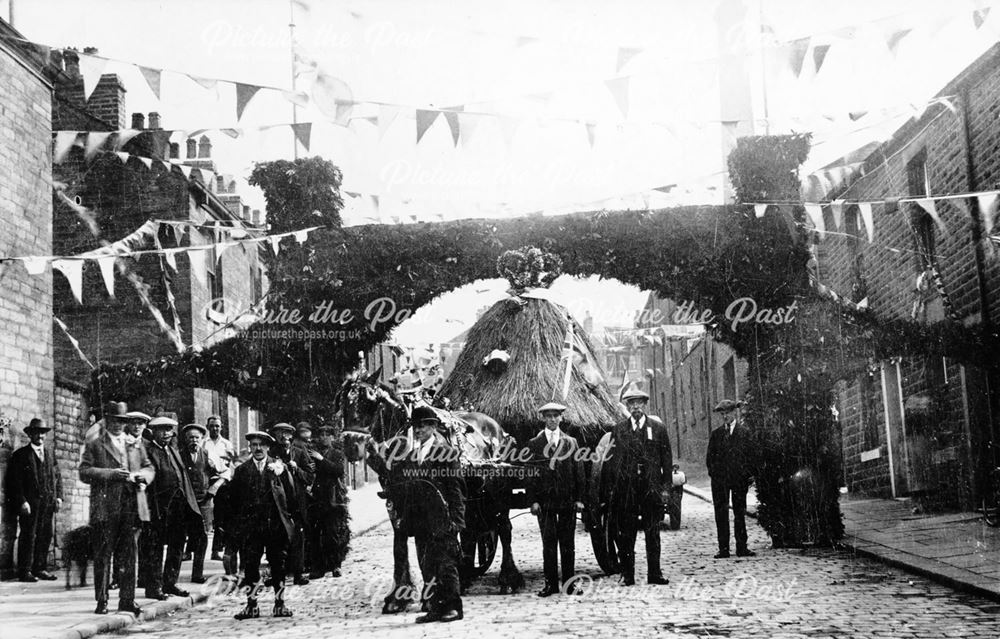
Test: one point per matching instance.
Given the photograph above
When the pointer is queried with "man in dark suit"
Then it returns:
(173, 506)
(303, 472)
(555, 492)
(34, 491)
(117, 469)
(729, 467)
(429, 492)
(200, 472)
(329, 517)
(637, 475)
(262, 496)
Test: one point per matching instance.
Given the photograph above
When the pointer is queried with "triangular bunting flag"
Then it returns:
(147, 161)
(468, 124)
(303, 131)
(894, 38)
(73, 341)
(35, 265)
(197, 258)
(837, 208)
(107, 265)
(865, 210)
(451, 116)
(275, 244)
(788, 217)
(233, 133)
(759, 210)
(425, 118)
(221, 248)
(987, 210)
(591, 129)
(73, 271)
(979, 16)
(208, 83)
(819, 55)
(386, 116)
(619, 91)
(152, 77)
(857, 115)
(797, 54)
(170, 257)
(178, 230)
(928, 205)
(91, 69)
(184, 169)
(815, 213)
(508, 129)
(244, 93)
(624, 55)
(301, 236)
(63, 143)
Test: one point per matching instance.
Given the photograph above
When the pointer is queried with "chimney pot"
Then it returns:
(175, 150)
(154, 120)
(245, 212)
(256, 217)
(138, 121)
(204, 147)
(192, 149)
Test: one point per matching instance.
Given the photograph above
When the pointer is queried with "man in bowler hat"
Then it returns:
(117, 469)
(34, 492)
(555, 492)
(729, 467)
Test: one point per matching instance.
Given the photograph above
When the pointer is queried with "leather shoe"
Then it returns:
(157, 595)
(300, 581)
(429, 617)
(198, 580)
(548, 591)
(175, 591)
(216, 557)
(722, 554)
(102, 608)
(658, 581)
(44, 575)
(130, 607)
(28, 578)
(317, 574)
(450, 615)
(250, 611)
(280, 610)
(745, 552)
(335, 573)
(628, 581)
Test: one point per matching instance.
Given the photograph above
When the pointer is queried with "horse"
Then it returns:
(372, 416)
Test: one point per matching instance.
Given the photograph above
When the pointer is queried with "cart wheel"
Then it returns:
(603, 541)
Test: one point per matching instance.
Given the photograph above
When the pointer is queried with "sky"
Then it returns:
(542, 130)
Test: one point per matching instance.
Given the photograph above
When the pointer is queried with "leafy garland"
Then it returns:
(529, 267)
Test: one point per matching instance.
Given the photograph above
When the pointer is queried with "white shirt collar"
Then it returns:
(424, 449)
(553, 435)
(638, 424)
(39, 450)
(261, 464)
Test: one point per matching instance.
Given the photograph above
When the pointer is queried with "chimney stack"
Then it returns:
(256, 217)
(154, 120)
(204, 147)
(175, 151)
(138, 121)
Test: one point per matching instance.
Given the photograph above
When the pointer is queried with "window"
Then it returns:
(870, 415)
(918, 184)
(729, 379)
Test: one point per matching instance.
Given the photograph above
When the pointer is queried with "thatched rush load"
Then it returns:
(532, 331)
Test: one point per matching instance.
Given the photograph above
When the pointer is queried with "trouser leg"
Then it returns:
(199, 545)
(43, 539)
(566, 531)
(176, 533)
(625, 540)
(27, 525)
(652, 517)
(125, 550)
(547, 524)
(739, 517)
(277, 557)
(720, 502)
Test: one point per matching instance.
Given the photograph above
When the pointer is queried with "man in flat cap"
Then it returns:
(303, 472)
(222, 459)
(198, 469)
(636, 476)
(34, 492)
(262, 497)
(117, 469)
(730, 469)
(172, 507)
(555, 491)
(429, 490)
(329, 517)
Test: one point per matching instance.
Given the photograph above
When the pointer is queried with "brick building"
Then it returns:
(687, 374)
(27, 382)
(123, 197)
(921, 427)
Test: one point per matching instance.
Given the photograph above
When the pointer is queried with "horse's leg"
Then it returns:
(402, 592)
(510, 578)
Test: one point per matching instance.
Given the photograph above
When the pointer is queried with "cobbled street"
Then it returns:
(811, 593)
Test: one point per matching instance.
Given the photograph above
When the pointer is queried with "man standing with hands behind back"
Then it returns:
(729, 467)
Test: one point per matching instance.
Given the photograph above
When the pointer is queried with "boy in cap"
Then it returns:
(34, 492)
(728, 463)
(262, 496)
(555, 491)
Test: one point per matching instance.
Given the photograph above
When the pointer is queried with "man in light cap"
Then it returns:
(196, 466)
(262, 496)
(117, 469)
(303, 472)
(172, 506)
(555, 491)
(34, 492)
(635, 478)
(729, 467)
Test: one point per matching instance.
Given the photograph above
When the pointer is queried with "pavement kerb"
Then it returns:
(113, 621)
